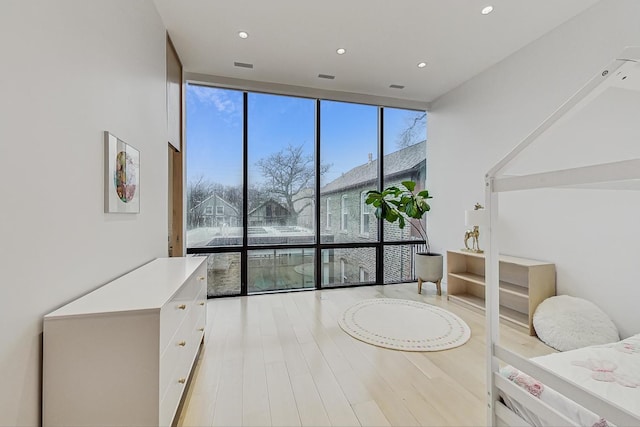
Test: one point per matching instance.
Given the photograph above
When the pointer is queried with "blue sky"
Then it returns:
(214, 132)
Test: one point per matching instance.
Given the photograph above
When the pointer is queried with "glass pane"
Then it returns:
(399, 263)
(214, 128)
(223, 274)
(405, 152)
(282, 169)
(349, 146)
(280, 269)
(343, 266)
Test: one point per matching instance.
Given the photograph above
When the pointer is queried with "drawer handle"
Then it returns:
(201, 278)
(182, 343)
(182, 306)
(202, 303)
(201, 329)
(182, 380)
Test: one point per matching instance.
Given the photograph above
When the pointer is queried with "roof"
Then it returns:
(211, 197)
(275, 202)
(407, 159)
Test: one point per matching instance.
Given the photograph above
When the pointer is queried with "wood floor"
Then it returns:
(282, 360)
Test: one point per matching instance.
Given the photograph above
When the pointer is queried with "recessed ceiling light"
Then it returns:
(341, 51)
(487, 10)
(243, 34)
(422, 64)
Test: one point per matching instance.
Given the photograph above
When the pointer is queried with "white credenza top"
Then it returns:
(146, 288)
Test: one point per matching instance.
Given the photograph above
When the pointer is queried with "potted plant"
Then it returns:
(402, 204)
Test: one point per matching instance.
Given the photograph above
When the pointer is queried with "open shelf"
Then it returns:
(505, 287)
(469, 277)
(524, 283)
(513, 316)
(512, 289)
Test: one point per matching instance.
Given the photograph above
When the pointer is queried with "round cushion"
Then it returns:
(565, 323)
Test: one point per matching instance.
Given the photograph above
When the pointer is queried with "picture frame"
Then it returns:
(122, 176)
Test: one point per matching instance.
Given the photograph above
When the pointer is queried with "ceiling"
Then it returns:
(292, 41)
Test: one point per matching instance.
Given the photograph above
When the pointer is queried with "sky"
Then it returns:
(214, 123)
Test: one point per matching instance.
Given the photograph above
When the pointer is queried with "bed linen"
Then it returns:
(611, 371)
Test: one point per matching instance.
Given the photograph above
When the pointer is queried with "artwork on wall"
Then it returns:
(122, 176)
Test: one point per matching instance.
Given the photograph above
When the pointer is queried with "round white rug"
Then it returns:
(404, 325)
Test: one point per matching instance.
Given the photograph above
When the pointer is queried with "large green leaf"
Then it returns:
(409, 184)
(425, 194)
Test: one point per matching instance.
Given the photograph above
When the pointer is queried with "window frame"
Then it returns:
(365, 210)
(344, 213)
(379, 243)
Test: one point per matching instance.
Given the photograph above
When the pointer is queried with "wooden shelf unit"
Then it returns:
(524, 283)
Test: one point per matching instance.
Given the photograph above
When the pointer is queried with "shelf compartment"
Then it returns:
(469, 277)
(510, 315)
(505, 287)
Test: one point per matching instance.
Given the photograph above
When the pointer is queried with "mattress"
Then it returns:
(611, 371)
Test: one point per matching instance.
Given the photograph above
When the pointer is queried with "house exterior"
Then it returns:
(346, 217)
(214, 211)
(269, 213)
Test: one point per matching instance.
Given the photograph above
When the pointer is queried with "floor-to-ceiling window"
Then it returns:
(404, 134)
(215, 183)
(281, 170)
(276, 188)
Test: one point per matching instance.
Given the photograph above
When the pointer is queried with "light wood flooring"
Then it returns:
(282, 360)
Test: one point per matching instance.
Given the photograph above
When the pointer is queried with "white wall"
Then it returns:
(591, 236)
(71, 70)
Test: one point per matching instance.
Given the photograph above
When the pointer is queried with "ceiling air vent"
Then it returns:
(326, 76)
(243, 65)
(396, 86)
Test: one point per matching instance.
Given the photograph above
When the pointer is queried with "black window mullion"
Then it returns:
(318, 250)
(244, 255)
(380, 245)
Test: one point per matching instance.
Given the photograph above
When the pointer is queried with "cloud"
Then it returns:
(219, 98)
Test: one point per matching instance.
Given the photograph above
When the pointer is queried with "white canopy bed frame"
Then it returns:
(497, 181)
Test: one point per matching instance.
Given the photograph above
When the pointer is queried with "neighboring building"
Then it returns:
(269, 213)
(304, 203)
(345, 215)
(214, 211)
(344, 218)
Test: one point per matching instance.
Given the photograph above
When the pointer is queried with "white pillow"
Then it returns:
(565, 323)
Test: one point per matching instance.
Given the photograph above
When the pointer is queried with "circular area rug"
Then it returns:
(404, 325)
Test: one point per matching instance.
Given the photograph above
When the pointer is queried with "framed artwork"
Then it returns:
(122, 176)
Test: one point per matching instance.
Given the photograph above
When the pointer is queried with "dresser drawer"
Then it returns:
(199, 327)
(171, 399)
(176, 380)
(175, 311)
(178, 346)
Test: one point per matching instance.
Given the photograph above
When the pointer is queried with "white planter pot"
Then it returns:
(429, 269)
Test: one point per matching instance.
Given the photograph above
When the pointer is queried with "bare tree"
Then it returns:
(198, 190)
(414, 132)
(288, 172)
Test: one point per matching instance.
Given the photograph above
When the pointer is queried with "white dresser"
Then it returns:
(122, 354)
